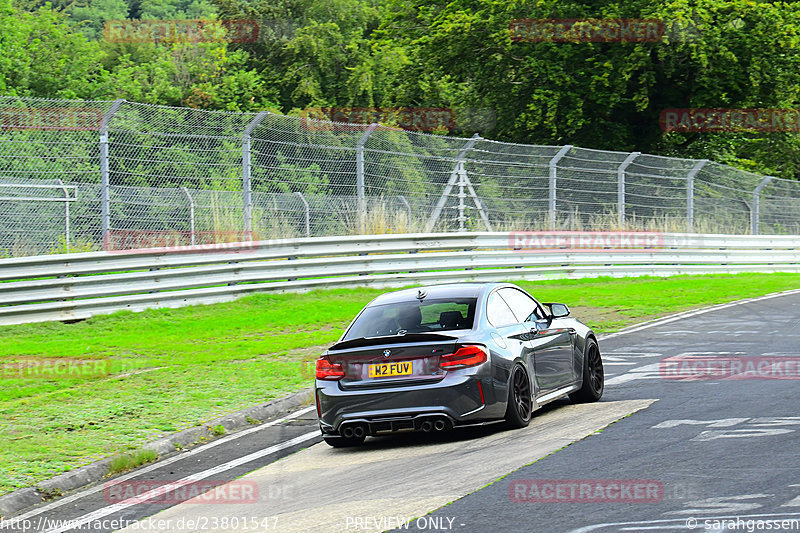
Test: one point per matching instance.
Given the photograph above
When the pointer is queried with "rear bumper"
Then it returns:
(456, 397)
(394, 424)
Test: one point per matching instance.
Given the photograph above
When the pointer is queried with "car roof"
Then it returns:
(449, 290)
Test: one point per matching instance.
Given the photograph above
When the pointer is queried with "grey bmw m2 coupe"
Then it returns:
(444, 356)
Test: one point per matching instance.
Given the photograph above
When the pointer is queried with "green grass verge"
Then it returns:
(131, 460)
(170, 369)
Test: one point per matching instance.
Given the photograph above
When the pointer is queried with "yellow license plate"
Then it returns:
(390, 369)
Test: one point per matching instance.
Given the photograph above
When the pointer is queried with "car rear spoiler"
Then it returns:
(392, 339)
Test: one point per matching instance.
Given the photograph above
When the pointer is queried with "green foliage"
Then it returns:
(303, 179)
(91, 16)
(317, 52)
(722, 53)
(41, 55)
(131, 460)
(201, 75)
(437, 53)
(175, 9)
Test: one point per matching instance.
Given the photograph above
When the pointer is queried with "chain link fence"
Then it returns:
(91, 175)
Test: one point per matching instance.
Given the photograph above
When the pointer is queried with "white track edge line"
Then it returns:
(159, 464)
(78, 523)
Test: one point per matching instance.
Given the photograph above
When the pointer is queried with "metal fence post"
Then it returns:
(360, 181)
(408, 210)
(193, 240)
(754, 214)
(690, 194)
(621, 187)
(479, 204)
(105, 187)
(553, 175)
(66, 212)
(462, 215)
(308, 213)
(247, 185)
(456, 177)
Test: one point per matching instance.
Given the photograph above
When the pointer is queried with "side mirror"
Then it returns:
(540, 325)
(558, 310)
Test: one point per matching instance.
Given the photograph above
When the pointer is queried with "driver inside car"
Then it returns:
(410, 319)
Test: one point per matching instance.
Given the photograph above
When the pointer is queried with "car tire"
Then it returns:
(593, 377)
(342, 442)
(519, 409)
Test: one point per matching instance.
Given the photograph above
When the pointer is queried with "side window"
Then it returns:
(524, 307)
(498, 312)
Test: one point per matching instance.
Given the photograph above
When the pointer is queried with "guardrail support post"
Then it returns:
(755, 213)
(360, 181)
(551, 202)
(690, 194)
(105, 187)
(191, 214)
(308, 213)
(247, 185)
(621, 187)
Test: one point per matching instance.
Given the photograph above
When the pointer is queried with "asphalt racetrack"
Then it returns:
(697, 431)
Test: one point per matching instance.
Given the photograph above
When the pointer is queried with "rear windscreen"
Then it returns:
(428, 316)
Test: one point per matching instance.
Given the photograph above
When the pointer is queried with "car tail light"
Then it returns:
(464, 357)
(328, 370)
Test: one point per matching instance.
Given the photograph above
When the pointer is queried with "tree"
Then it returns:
(316, 52)
(43, 56)
(716, 53)
(202, 75)
(176, 9)
(92, 16)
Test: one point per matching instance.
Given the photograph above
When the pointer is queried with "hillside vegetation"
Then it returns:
(409, 53)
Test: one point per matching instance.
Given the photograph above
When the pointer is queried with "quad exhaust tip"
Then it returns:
(433, 423)
(354, 431)
(436, 423)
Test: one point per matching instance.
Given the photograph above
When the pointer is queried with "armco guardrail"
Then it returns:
(76, 286)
